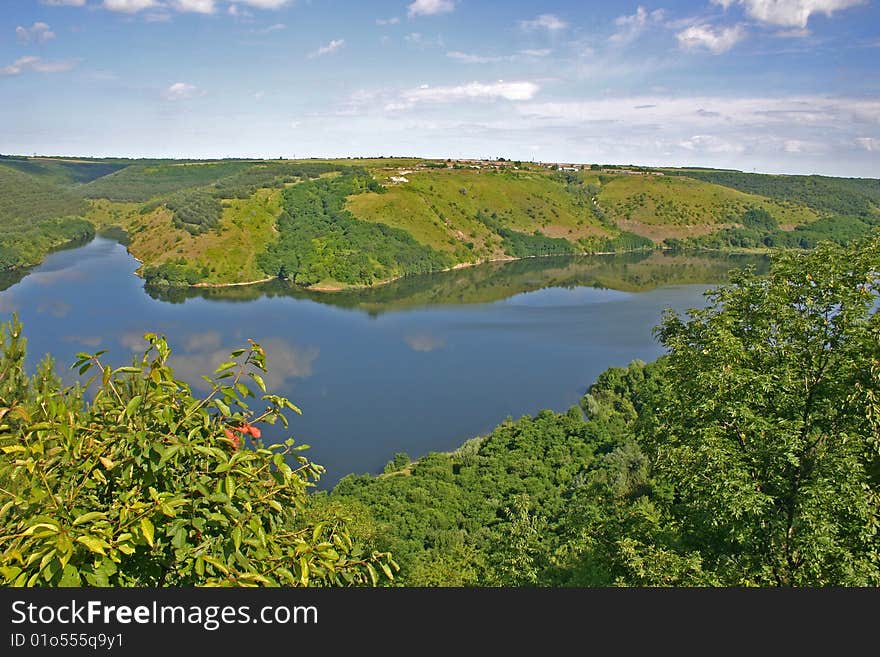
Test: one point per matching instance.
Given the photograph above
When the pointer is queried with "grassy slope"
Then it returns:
(665, 206)
(437, 206)
(246, 227)
(432, 208)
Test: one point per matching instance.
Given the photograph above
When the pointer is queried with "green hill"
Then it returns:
(35, 217)
(822, 193)
(332, 224)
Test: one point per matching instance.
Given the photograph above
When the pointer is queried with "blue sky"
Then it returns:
(789, 86)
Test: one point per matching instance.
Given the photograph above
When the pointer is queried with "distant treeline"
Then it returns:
(759, 230)
(62, 171)
(845, 196)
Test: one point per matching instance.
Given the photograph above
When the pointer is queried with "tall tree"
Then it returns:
(769, 428)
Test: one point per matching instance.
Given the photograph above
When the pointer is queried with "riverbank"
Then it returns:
(319, 287)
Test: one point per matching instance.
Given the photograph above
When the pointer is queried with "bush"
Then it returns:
(147, 485)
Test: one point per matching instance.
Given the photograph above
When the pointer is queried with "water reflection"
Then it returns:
(633, 272)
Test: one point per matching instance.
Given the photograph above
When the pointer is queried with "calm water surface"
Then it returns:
(414, 366)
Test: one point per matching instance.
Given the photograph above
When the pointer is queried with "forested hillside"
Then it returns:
(748, 456)
(332, 224)
(36, 216)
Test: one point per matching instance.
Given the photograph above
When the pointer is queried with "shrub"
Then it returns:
(147, 485)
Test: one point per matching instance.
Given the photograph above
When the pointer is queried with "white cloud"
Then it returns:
(182, 91)
(870, 144)
(204, 351)
(468, 58)
(705, 37)
(630, 28)
(719, 112)
(329, 49)
(711, 144)
(430, 7)
(276, 27)
(36, 33)
(38, 65)
(85, 340)
(424, 343)
(195, 6)
(501, 90)
(64, 3)
(789, 13)
(394, 20)
(265, 4)
(55, 307)
(549, 22)
(419, 39)
(795, 33)
(129, 6)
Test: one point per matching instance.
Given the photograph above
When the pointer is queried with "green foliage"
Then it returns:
(147, 485)
(846, 196)
(759, 219)
(320, 240)
(766, 432)
(172, 274)
(477, 515)
(400, 461)
(195, 211)
(523, 245)
(625, 241)
(841, 230)
(245, 183)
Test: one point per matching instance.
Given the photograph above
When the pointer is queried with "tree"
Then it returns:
(147, 485)
(769, 430)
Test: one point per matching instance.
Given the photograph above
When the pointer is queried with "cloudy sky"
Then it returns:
(788, 86)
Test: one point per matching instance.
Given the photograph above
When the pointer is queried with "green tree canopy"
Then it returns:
(768, 432)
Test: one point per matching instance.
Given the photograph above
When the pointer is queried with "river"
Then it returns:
(418, 365)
